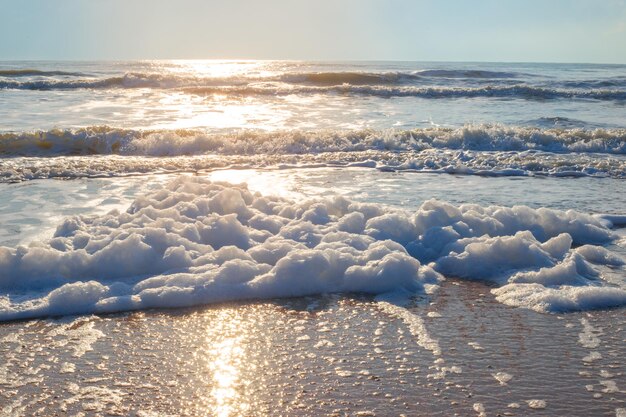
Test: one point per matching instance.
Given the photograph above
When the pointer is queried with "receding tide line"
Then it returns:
(415, 325)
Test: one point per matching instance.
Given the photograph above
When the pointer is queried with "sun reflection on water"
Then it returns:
(225, 368)
(221, 68)
(266, 182)
(226, 358)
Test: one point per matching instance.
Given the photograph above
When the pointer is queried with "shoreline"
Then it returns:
(348, 355)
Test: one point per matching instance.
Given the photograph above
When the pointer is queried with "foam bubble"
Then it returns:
(502, 377)
(197, 242)
(536, 404)
(588, 337)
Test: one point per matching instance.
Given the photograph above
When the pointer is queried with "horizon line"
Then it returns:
(304, 60)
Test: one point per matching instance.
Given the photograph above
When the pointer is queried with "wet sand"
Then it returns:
(459, 353)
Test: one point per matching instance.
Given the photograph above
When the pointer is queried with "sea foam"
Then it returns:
(197, 242)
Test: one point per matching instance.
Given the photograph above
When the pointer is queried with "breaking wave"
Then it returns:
(196, 242)
(483, 137)
(487, 150)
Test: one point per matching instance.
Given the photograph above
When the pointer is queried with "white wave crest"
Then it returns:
(491, 150)
(481, 137)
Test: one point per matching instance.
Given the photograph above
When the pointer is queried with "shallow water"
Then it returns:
(320, 355)
(34, 209)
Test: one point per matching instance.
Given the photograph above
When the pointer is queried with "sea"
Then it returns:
(243, 237)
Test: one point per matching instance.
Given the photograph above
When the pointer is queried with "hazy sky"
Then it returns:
(439, 30)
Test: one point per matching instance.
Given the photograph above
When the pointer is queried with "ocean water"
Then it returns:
(488, 119)
(390, 198)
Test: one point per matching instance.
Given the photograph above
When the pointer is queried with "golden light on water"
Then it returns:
(219, 68)
(212, 109)
(225, 369)
(226, 357)
(217, 95)
(267, 182)
(186, 111)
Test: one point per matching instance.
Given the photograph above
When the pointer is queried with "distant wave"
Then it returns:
(515, 91)
(315, 78)
(600, 83)
(468, 74)
(128, 80)
(107, 140)
(209, 87)
(354, 78)
(156, 80)
(35, 72)
(387, 85)
(45, 85)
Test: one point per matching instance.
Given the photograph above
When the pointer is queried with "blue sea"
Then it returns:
(410, 236)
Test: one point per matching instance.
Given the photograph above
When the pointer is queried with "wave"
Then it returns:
(196, 242)
(315, 78)
(598, 83)
(488, 150)
(354, 78)
(432, 161)
(519, 91)
(562, 122)
(469, 74)
(481, 137)
(45, 85)
(128, 80)
(35, 72)
(158, 80)
(386, 85)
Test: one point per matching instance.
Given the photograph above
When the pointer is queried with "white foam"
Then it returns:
(600, 255)
(79, 335)
(416, 326)
(196, 242)
(561, 298)
(610, 387)
(536, 404)
(475, 346)
(588, 337)
(502, 377)
(592, 357)
(480, 409)
(67, 368)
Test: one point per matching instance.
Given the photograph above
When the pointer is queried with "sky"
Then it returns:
(591, 31)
